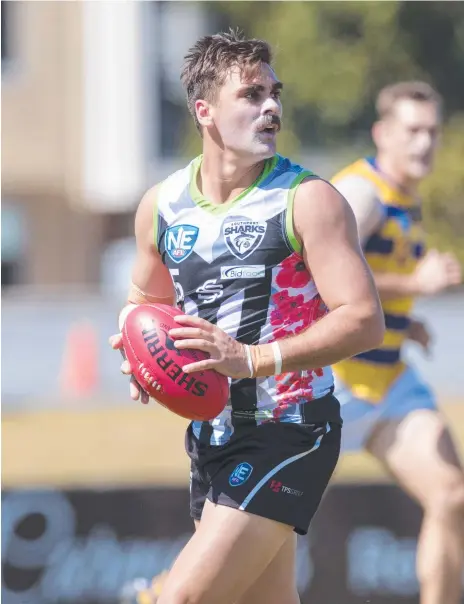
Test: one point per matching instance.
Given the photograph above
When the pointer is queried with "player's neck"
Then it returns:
(387, 167)
(223, 177)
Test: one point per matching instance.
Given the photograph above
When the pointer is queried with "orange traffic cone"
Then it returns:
(80, 361)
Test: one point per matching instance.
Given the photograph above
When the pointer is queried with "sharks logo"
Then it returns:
(244, 242)
(243, 236)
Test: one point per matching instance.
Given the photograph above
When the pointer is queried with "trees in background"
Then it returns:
(335, 56)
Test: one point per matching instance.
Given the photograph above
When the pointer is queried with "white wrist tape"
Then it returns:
(277, 358)
(123, 314)
(249, 360)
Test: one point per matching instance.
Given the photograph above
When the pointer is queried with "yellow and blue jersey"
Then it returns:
(396, 247)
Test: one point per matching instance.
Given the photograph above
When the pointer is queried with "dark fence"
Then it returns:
(98, 546)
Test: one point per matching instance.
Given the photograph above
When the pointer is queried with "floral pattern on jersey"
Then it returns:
(293, 273)
(292, 312)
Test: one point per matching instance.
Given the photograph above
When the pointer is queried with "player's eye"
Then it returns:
(252, 95)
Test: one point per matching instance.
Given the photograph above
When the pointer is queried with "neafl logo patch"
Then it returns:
(179, 241)
(243, 236)
(241, 474)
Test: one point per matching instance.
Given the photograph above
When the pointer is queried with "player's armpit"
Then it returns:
(151, 280)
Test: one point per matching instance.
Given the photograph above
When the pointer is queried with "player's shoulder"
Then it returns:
(178, 180)
(308, 189)
(317, 199)
(358, 181)
(285, 165)
(148, 199)
(319, 202)
(359, 168)
(144, 214)
(316, 196)
(358, 189)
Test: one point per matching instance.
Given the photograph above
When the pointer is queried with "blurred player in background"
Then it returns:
(301, 297)
(386, 407)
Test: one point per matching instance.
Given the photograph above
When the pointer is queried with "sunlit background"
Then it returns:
(95, 487)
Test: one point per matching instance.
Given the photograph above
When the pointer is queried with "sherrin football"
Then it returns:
(155, 360)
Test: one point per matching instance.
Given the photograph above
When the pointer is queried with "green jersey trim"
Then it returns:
(222, 208)
(155, 221)
(296, 245)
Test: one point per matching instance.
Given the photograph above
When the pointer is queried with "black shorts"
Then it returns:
(276, 470)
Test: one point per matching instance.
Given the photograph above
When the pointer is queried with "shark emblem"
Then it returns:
(243, 236)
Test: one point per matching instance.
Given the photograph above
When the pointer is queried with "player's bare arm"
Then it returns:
(405, 135)
(150, 282)
(327, 230)
(433, 274)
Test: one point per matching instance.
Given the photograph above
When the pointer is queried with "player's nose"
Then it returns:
(272, 105)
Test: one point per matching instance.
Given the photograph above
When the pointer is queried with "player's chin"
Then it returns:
(420, 170)
(265, 149)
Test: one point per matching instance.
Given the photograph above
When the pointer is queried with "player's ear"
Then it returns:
(203, 112)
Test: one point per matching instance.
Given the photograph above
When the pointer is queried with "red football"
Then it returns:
(153, 357)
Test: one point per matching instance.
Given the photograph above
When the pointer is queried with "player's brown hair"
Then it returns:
(413, 90)
(207, 63)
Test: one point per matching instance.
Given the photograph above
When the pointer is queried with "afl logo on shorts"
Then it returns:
(241, 474)
(243, 236)
(180, 240)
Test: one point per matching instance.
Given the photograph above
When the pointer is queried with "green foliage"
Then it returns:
(333, 57)
(443, 192)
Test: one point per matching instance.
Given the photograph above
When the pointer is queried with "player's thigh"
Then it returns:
(277, 583)
(229, 550)
(419, 451)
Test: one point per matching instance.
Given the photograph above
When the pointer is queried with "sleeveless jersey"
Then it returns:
(396, 247)
(238, 265)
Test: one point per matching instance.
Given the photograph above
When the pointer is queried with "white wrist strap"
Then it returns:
(249, 361)
(277, 358)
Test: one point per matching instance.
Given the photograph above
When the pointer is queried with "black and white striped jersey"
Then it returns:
(239, 265)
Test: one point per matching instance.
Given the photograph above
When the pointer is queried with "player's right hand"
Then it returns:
(135, 390)
(436, 272)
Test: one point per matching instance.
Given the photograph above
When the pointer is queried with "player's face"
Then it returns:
(247, 112)
(411, 137)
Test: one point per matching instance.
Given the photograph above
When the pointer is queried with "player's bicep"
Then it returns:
(327, 229)
(149, 275)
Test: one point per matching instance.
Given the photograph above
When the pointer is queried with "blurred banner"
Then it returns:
(101, 506)
(95, 547)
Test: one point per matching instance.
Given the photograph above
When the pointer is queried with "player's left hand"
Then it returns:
(135, 389)
(227, 356)
(419, 333)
